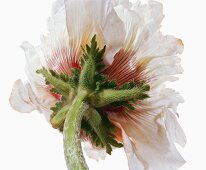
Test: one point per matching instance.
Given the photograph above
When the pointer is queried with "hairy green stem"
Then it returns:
(72, 143)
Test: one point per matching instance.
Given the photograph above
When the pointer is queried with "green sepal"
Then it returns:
(100, 129)
(128, 86)
(58, 117)
(57, 107)
(76, 75)
(125, 104)
(108, 96)
(54, 79)
(91, 63)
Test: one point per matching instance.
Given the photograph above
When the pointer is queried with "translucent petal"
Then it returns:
(94, 153)
(133, 161)
(20, 99)
(174, 129)
(152, 132)
(146, 54)
(23, 99)
(149, 142)
(86, 18)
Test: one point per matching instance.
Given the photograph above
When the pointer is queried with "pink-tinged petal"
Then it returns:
(20, 99)
(149, 139)
(151, 131)
(86, 18)
(72, 25)
(63, 60)
(146, 54)
(23, 99)
(154, 69)
(124, 68)
(58, 55)
(34, 61)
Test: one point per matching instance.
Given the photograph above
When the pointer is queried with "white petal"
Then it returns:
(34, 61)
(86, 18)
(20, 99)
(57, 6)
(140, 21)
(150, 143)
(23, 99)
(113, 36)
(143, 39)
(152, 135)
(56, 25)
(161, 97)
(146, 126)
(133, 161)
(174, 129)
(161, 46)
(94, 153)
(62, 45)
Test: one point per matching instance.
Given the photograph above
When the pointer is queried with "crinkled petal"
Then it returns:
(34, 61)
(72, 25)
(146, 54)
(161, 97)
(153, 67)
(23, 99)
(133, 161)
(152, 130)
(141, 21)
(54, 45)
(150, 143)
(174, 129)
(86, 18)
(20, 99)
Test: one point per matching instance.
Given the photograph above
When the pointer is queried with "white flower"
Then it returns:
(136, 50)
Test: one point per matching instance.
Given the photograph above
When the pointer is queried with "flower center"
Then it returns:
(100, 93)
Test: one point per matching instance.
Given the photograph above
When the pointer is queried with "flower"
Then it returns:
(136, 50)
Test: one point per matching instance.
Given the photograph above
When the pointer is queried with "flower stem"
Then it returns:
(72, 143)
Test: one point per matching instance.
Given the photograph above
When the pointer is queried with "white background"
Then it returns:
(27, 142)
